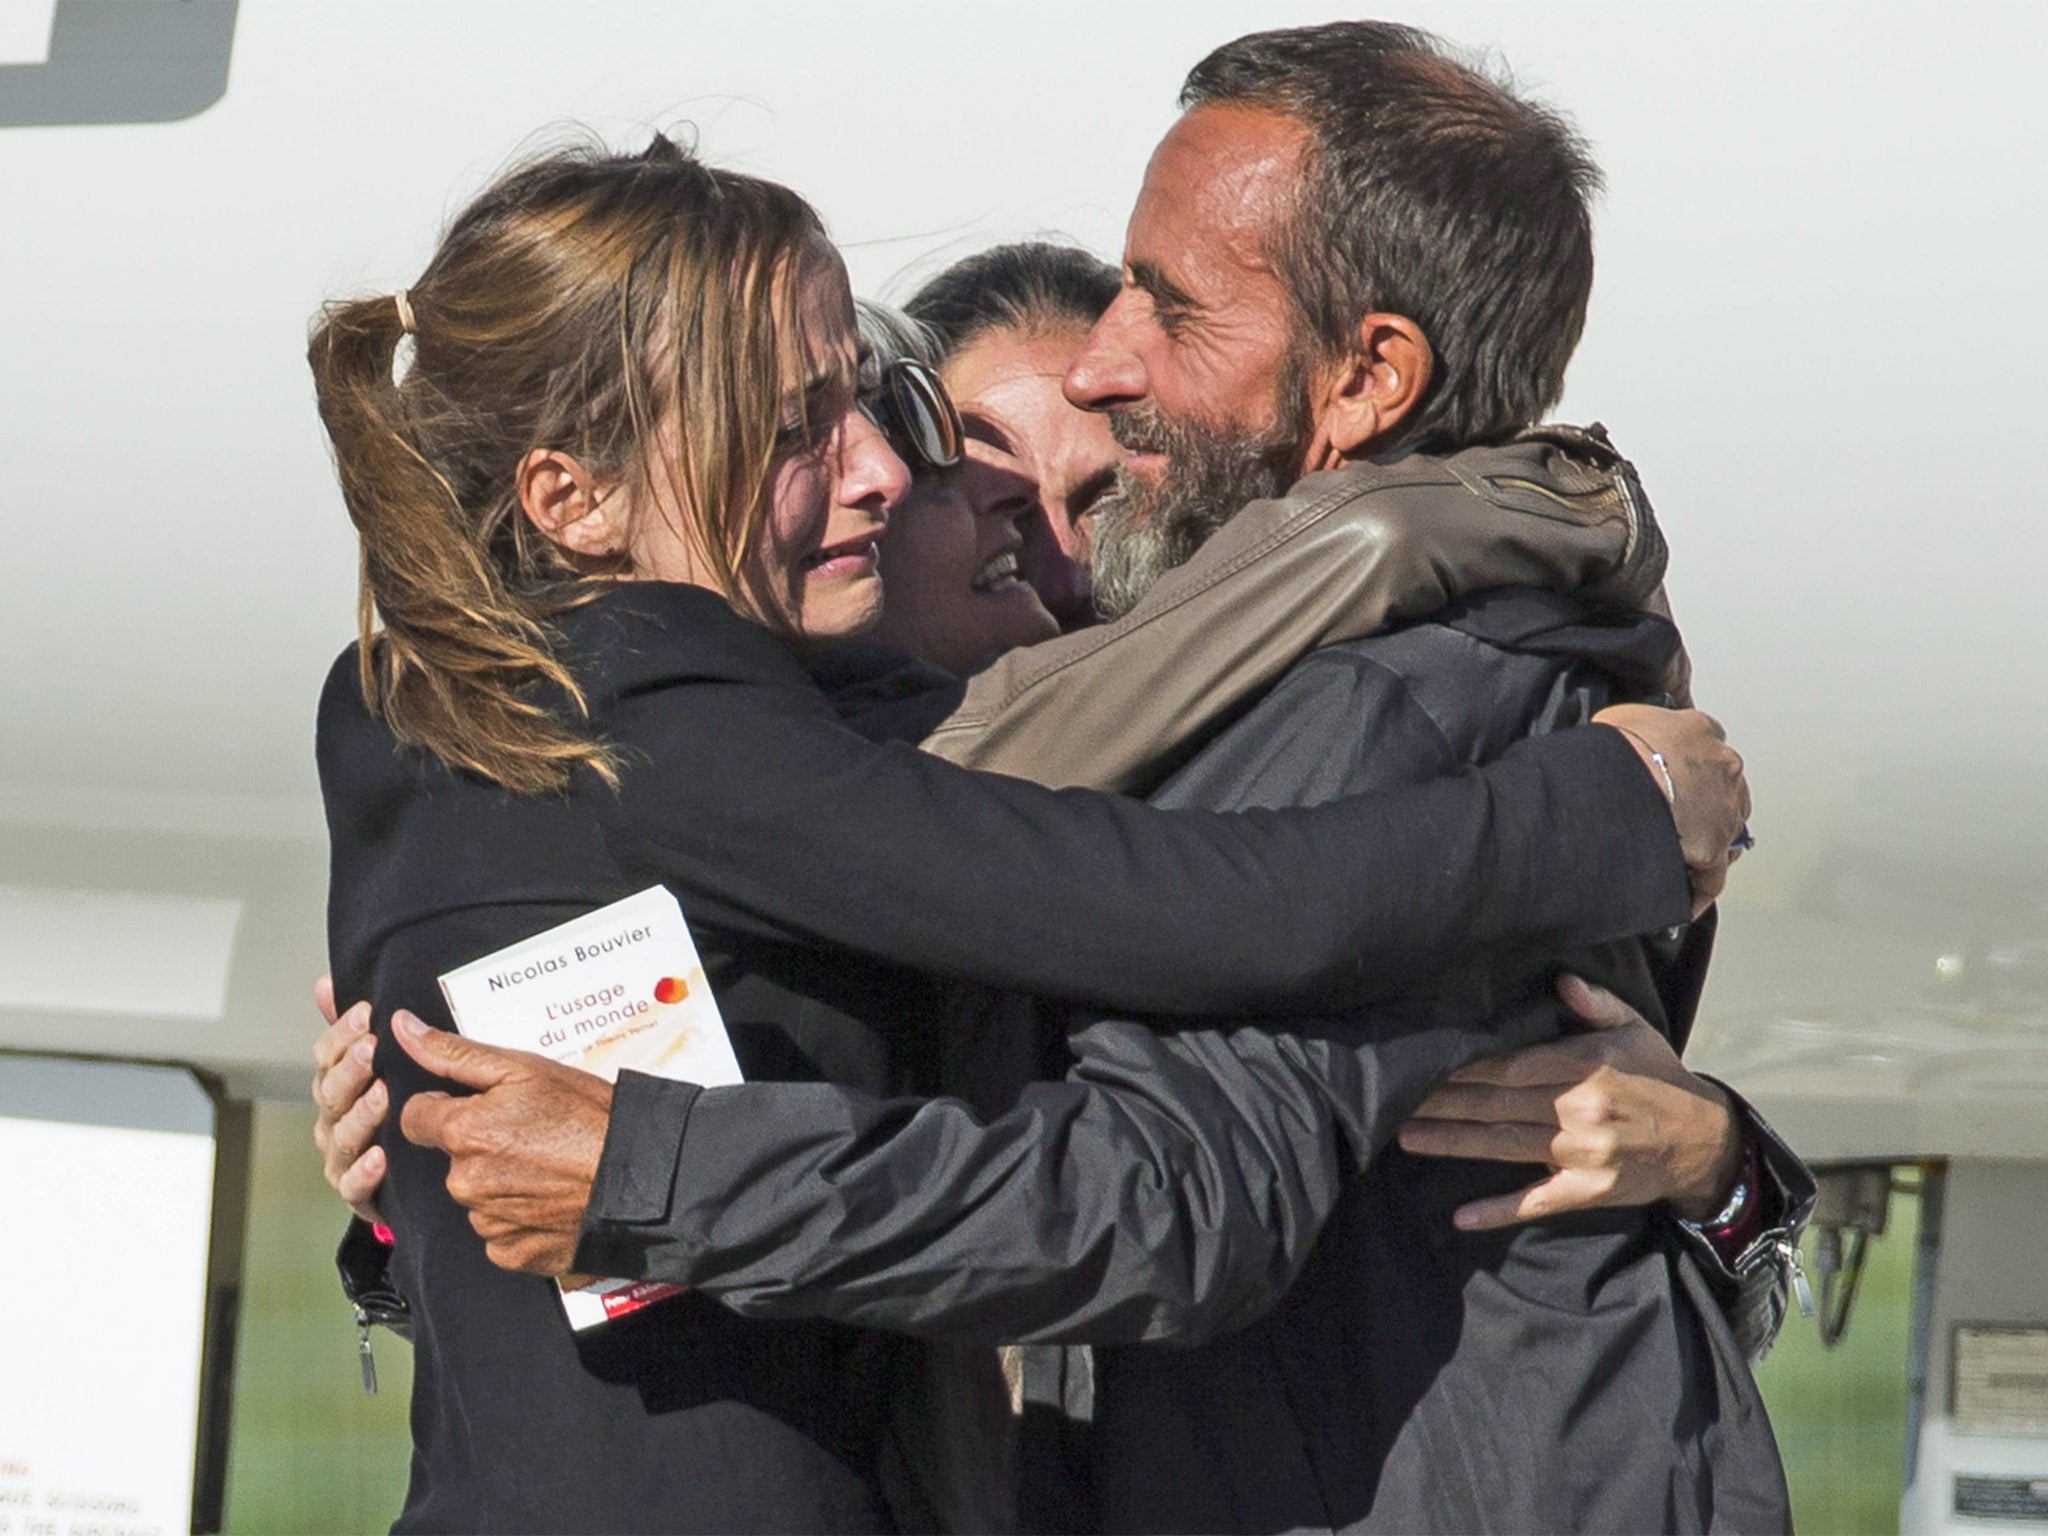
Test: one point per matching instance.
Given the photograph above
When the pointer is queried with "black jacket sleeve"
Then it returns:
(1169, 1189)
(769, 817)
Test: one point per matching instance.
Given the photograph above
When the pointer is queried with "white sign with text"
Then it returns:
(106, 1198)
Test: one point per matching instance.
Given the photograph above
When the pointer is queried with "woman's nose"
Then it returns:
(869, 470)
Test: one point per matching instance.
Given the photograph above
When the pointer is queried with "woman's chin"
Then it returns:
(841, 609)
(1012, 615)
(993, 624)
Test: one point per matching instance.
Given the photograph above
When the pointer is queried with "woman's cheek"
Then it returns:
(799, 508)
(795, 526)
(906, 561)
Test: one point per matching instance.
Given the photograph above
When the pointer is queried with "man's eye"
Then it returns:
(1171, 321)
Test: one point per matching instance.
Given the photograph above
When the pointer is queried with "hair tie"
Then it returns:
(406, 324)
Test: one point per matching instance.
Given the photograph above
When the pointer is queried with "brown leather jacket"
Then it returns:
(1345, 554)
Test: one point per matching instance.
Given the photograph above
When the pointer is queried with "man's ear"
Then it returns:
(1373, 392)
(570, 505)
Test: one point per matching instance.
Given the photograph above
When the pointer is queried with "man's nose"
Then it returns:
(869, 471)
(1107, 371)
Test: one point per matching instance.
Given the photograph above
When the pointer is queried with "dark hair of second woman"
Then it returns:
(1028, 286)
(583, 302)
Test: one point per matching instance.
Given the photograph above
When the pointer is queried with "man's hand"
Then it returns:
(522, 1152)
(1709, 795)
(1613, 1113)
(349, 1103)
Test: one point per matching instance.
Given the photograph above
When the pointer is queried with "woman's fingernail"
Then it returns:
(407, 1025)
(363, 1052)
(376, 1094)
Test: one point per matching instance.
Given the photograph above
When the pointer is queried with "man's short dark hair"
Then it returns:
(1434, 192)
(1029, 285)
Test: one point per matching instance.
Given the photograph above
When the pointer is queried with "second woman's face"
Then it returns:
(1007, 383)
(950, 566)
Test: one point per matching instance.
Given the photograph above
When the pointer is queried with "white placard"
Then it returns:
(106, 1197)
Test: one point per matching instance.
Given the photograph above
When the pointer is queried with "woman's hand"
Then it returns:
(1612, 1113)
(349, 1102)
(1687, 753)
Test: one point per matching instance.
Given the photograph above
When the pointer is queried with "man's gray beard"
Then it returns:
(1143, 530)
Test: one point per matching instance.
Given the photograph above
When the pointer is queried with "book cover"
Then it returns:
(619, 987)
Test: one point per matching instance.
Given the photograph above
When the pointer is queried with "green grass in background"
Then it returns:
(311, 1454)
(1841, 1413)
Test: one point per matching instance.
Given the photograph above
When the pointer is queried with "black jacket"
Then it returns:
(1389, 1374)
(797, 848)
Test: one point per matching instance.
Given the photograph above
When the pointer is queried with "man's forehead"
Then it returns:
(1215, 189)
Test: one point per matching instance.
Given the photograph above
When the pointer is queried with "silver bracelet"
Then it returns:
(1663, 768)
(1728, 1215)
(1670, 788)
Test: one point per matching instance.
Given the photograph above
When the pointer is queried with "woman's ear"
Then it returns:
(1374, 391)
(570, 505)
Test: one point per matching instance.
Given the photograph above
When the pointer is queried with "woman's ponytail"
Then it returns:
(452, 656)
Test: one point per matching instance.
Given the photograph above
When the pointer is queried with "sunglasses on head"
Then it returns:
(916, 415)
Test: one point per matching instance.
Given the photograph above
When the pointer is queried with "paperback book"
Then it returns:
(619, 987)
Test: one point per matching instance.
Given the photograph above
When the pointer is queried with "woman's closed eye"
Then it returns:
(810, 421)
(809, 434)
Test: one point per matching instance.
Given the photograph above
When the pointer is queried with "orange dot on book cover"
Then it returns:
(671, 989)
